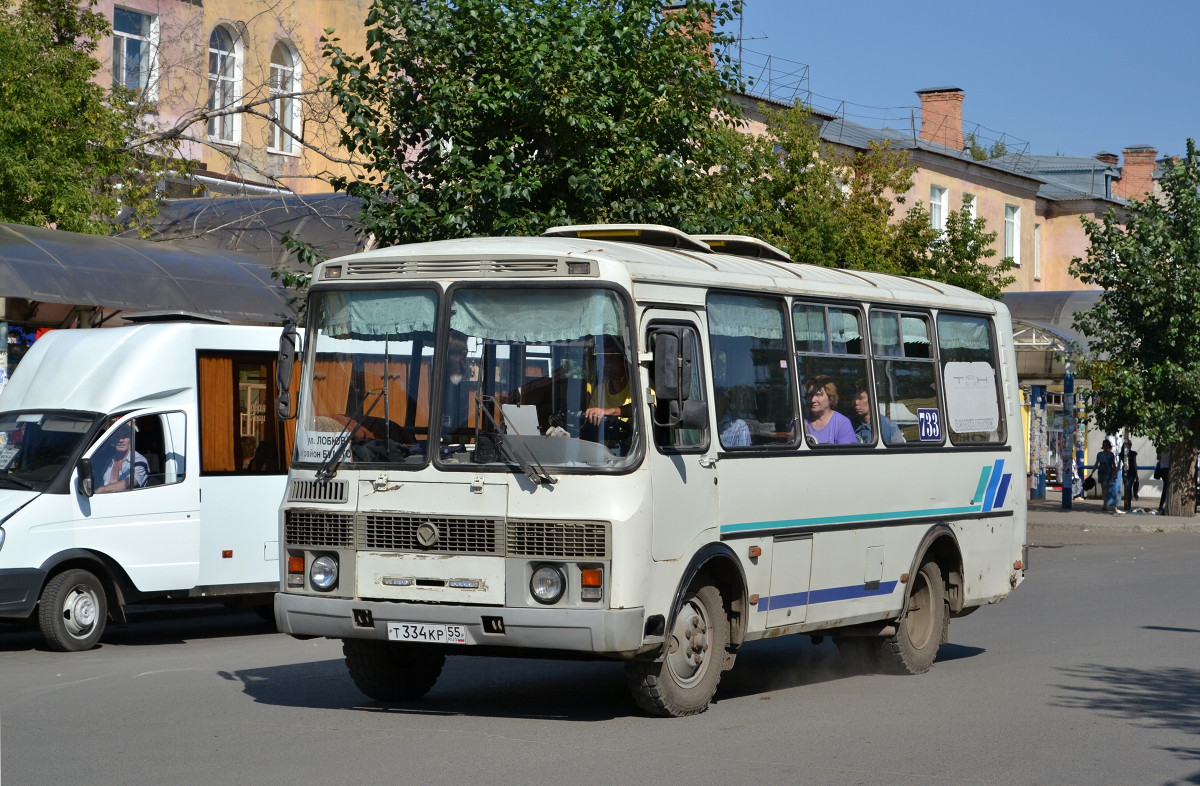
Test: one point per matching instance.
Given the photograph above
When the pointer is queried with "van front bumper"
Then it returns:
(606, 632)
(19, 591)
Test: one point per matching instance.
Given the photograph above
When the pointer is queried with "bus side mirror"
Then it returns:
(289, 347)
(672, 364)
(87, 483)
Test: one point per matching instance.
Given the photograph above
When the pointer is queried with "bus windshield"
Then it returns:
(537, 375)
(34, 446)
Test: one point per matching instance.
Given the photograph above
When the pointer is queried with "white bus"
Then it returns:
(625, 442)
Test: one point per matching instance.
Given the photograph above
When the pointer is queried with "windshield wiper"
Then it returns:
(522, 457)
(329, 466)
(18, 482)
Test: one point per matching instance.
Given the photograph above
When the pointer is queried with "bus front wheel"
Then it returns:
(922, 628)
(388, 671)
(72, 611)
(684, 680)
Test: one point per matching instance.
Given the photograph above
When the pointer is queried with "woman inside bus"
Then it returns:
(824, 425)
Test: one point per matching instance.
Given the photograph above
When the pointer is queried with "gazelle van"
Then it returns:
(184, 508)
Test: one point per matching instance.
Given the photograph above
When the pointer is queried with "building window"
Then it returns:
(134, 43)
(285, 106)
(1012, 233)
(937, 208)
(1037, 252)
(224, 77)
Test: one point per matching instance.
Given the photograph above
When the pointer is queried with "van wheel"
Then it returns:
(72, 611)
(684, 680)
(923, 627)
(388, 671)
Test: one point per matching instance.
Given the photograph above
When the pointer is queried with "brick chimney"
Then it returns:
(941, 116)
(1137, 176)
(1108, 158)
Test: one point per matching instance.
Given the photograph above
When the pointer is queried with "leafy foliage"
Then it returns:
(64, 161)
(1144, 329)
(485, 118)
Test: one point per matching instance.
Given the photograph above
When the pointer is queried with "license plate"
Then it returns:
(427, 634)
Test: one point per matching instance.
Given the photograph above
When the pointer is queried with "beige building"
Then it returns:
(240, 76)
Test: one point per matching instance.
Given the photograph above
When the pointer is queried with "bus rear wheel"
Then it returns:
(72, 611)
(388, 671)
(683, 681)
(922, 628)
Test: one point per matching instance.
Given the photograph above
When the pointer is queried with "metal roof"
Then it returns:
(50, 266)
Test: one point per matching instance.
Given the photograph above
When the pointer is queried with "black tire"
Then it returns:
(72, 611)
(684, 680)
(923, 626)
(389, 671)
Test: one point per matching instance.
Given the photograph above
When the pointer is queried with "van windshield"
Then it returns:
(34, 446)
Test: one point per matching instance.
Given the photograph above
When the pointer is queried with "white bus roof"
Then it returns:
(657, 258)
(117, 369)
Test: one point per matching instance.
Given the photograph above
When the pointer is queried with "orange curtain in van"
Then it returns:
(217, 427)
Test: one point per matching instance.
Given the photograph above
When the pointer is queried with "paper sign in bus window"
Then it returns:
(971, 403)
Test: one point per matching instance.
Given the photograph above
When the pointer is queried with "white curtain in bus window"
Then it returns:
(536, 315)
(750, 369)
(905, 378)
(973, 411)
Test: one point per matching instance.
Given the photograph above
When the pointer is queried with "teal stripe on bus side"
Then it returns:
(847, 519)
(984, 475)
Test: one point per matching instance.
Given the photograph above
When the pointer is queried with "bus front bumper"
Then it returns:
(606, 632)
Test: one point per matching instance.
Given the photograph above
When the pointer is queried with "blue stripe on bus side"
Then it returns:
(812, 597)
(727, 529)
(993, 484)
(1003, 492)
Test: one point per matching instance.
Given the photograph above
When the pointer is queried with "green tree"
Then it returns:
(838, 209)
(1144, 330)
(64, 159)
(483, 118)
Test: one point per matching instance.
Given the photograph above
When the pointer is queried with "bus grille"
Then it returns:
(319, 528)
(443, 535)
(579, 539)
(312, 491)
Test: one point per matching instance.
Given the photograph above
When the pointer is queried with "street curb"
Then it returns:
(1088, 515)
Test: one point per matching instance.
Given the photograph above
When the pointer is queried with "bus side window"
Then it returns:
(971, 384)
(906, 380)
(831, 350)
(674, 437)
(751, 369)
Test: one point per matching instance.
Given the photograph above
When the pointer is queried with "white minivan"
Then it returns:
(139, 464)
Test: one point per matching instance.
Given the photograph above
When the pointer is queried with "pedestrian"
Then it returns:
(1105, 471)
(1129, 472)
(1161, 472)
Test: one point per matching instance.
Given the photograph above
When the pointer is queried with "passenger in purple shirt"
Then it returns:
(824, 425)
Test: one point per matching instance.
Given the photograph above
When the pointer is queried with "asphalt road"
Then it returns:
(1088, 674)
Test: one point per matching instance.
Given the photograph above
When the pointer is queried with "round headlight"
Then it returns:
(547, 584)
(323, 573)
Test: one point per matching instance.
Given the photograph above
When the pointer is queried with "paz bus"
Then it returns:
(630, 443)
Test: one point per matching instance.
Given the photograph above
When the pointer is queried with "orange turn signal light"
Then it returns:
(755, 552)
(1018, 565)
(591, 577)
(295, 563)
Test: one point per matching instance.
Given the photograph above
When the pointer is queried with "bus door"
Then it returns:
(682, 460)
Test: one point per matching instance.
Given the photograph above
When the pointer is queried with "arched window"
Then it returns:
(224, 88)
(285, 107)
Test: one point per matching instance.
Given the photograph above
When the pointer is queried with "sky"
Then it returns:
(1068, 77)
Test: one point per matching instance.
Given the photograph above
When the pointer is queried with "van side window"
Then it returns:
(831, 354)
(972, 386)
(140, 453)
(906, 385)
(751, 370)
(239, 433)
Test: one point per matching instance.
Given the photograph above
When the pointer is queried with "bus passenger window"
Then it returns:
(833, 365)
(751, 370)
(906, 377)
(970, 380)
